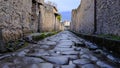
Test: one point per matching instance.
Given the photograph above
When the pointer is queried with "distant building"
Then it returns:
(51, 21)
(66, 25)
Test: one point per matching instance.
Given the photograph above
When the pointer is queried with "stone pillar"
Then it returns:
(2, 45)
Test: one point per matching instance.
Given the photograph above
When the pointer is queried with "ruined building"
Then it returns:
(83, 17)
(21, 17)
(51, 22)
(97, 17)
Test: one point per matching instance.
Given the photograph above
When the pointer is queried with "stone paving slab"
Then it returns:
(70, 53)
(81, 61)
(45, 65)
(103, 64)
(63, 49)
(60, 60)
(90, 66)
(69, 66)
(60, 51)
(65, 44)
(50, 43)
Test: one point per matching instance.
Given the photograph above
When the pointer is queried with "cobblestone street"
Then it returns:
(64, 50)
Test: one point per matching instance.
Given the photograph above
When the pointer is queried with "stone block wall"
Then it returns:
(18, 18)
(97, 16)
(49, 19)
(21, 17)
(51, 22)
(83, 17)
(37, 15)
(73, 24)
(58, 25)
(108, 17)
(15, 18)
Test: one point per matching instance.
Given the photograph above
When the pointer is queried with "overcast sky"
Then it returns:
(66, 5)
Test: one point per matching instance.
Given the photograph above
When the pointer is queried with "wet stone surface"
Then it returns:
(64, 50)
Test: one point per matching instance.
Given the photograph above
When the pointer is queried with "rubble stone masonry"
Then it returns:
(108, 17)
(21, 17)
(97, 16)
(15, 18)
(83, 17)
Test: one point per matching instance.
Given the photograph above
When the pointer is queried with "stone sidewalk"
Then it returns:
(64, 50)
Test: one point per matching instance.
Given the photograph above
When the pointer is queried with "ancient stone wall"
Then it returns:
(56, 24)
(51, 23)
(34, 16)
(18, 18)
(73, 24)
(49, 20)
(59, 25)
(103, 18)
(37, 15)
(21, 17)
(15, 18)
(83, 17)
(108, 17)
